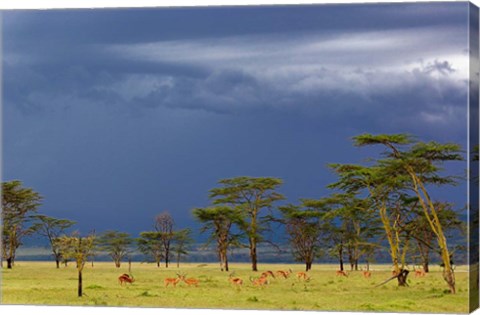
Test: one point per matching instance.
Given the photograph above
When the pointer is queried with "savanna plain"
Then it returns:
(40, 283)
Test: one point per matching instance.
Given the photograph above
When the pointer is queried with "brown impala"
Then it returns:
(125, 278)
(172, 281)
(282, 273)
(341, 273)
(419, 273)
(303, 276)
(190, 281)
(235, 281)
(367, 274)
(268, 273)
(259, 282)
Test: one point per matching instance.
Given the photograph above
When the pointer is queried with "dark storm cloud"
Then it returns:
(144, 110)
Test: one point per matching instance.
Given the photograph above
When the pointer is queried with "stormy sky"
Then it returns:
(116, 115)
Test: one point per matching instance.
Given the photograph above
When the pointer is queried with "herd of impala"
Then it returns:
(260, 281)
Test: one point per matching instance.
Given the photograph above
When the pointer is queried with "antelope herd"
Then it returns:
(261, 281)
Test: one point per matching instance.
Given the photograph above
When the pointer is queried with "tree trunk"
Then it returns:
(158, 263)
(308, 265)
(226, 262)
(166, 258)
(9, 263)
(57, 262)
(356, 264)
(402, 278)
(79, 283)
(425, 266)
(253, 255)
(117, 263)
(449, 277)
(340, 255)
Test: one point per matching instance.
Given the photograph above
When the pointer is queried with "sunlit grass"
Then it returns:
(40, 283)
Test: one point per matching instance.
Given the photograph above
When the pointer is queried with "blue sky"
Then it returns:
(116, 115)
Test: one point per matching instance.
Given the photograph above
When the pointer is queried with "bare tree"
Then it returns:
(164, 225)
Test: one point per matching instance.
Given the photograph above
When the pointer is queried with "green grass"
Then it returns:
(40, 283)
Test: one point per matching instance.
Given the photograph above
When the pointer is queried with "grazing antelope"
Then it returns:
(125, 278)
(235, 281)
(190, 281)
(303, 276)
(283, 273)
(172, 281)
(259, 282)
(268, 273)
(367, 274)
(341, 273)
(419, 272)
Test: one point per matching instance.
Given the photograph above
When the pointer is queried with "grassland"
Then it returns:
(40, 283)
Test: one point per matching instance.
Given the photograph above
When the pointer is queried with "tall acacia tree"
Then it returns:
(52, 228)
(421, 162)
(219, 219)
(250, 195)
(18, 203)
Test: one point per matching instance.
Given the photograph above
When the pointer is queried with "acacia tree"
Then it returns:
(421, 163)
(18, 203)
(303, 226)
(78, 249)
(164, 226)
(384, 188)
(181, 241)
(52, 228)
(249, 195)
(219, 219)
(116, 244)
(353, 223)
(419, 229)
(150, 244)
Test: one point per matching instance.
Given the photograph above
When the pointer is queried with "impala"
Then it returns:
(367, 274)
(268, 273)
(419, 273)
(172, 281)
(259, 282)
(303, 276)
(341, 273)
(125, 278)
(283, 273)
(234, 280)
(190, 281)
